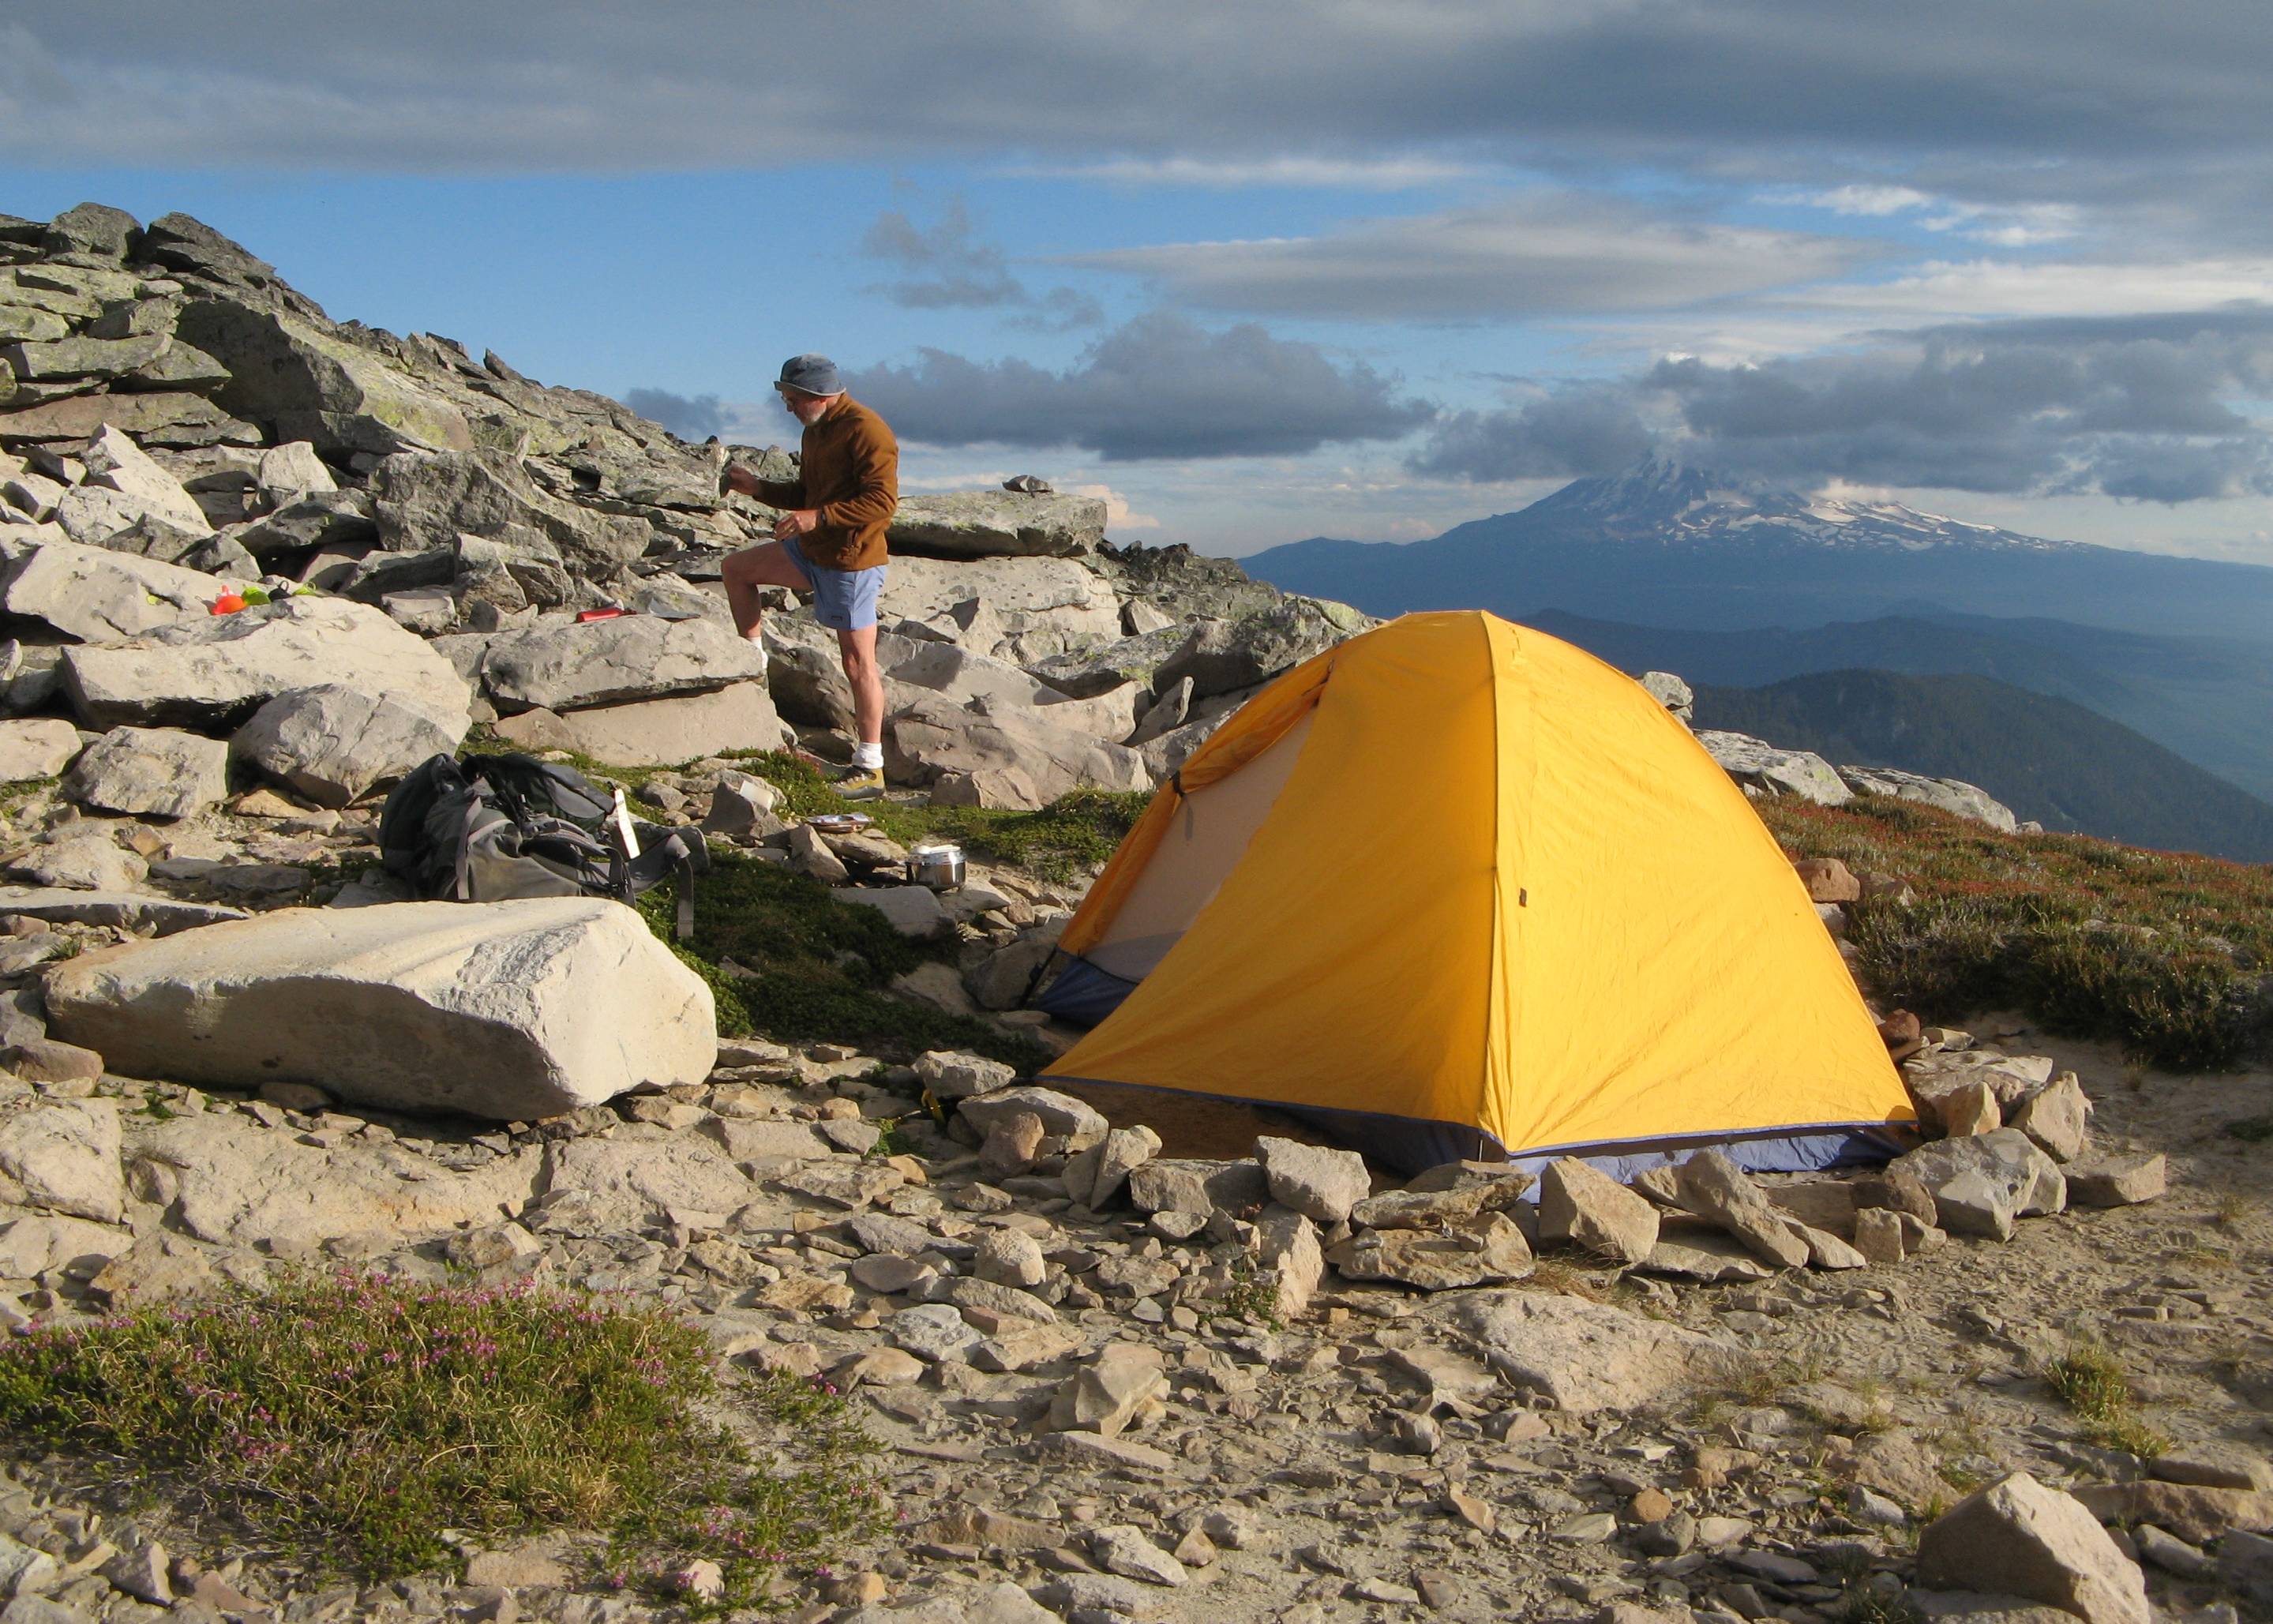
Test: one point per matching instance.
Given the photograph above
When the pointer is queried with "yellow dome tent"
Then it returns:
(1455, 887)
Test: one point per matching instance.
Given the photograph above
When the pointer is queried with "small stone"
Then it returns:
(2058, 1116)
(1587, 1528)
(890, 1274)
(1650, 1506)
(1013, 1144)
(1124, 1549)
(934, 1332)
(1007, 1257)
(1878, 1235)
(2171, 1554)
(2119, 1181)
(2214, 1466)
(1827, 880)
(1473, 1511)
(953, 1075)
(1106, 1393)
(702, 1579)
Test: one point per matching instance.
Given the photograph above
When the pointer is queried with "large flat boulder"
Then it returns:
(98, 596)
(114, 462)
(216, 671)
(150, 772)
(565, 665)
(505, 1010)
(234, 1182)
(1584, 1356)
(1016, 758)
(662, 732)
(1015, 594)
(35, 747)
(330, 743)
(1951, 795)
(170, 418)
(2020, 1538)
(983, 524)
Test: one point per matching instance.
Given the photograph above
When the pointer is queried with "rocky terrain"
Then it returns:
(1125, 1363)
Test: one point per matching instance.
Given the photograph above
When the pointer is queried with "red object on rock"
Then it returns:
(228, 603)
(599, 614)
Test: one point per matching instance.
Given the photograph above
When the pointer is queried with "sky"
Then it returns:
(1363, 268)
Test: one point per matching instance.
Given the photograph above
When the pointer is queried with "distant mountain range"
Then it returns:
(2210, 700)
(2047, 759)
(1666, 545)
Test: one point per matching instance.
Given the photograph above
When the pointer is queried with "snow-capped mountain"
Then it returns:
(1663, 544)
(1658, 500)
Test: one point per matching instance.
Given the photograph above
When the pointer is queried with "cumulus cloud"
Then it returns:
(1528, 256)
(2145, 408)
(1160, 386)
(690, 417)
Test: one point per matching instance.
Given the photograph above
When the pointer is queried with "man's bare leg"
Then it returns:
(768, 565)
(858, 651)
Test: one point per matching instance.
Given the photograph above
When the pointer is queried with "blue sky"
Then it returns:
(1364, 270)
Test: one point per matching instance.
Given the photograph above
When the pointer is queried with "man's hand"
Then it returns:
(797, 521)
(739, 480)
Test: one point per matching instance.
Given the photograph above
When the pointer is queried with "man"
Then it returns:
(829, 543)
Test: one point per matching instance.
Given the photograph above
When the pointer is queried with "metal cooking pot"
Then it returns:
(939, 868)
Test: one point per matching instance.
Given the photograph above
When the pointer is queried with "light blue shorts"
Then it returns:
(843, 600)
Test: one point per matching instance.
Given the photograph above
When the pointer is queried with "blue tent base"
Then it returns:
(1409, 1145)
(1082, 994)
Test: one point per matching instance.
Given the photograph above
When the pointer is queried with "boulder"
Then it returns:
(1095, 1176)
(150, 771)
(1764, 769)
(211, 554)
(953, 1075)
(1104, 667)
(81, 857)
(1484, 1250)
(216, 671)
(1584, 1355)
(664, 732)
(301, 381)
(1715, 1189)
(1982, 1184)
(114, 462)
(35, 747)
(1104, 1395)
(1950, 794)
(64, 1156)
(1063, 1116)
(1584, 1207)
(982, 524)
(330, 743)
(506, 1010)
(1222, 655)
(963, 676)
(1319, 1182)
(2018, 1537)
(98, 596)
(912, 910)
(168, 418)
(2058, 1116)
(1670, 692)
(562, 665)
(628, 1182)
(2118, 1181)
(291, 470)
(430, 499)
(130, 910)
(1235, 1189)
(1291, 1259)
(988, 603)
(1018, 761)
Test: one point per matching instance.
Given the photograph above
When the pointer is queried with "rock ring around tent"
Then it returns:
(1456, 887)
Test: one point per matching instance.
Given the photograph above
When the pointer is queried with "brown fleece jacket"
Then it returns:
(848, 468)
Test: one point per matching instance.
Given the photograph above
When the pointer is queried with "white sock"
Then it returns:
(868, 758)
